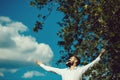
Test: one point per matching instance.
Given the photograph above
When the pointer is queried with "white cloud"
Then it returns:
(13, 70)
(31, 74)
(8, 70)
(17, 47)
(4, 19)
(1, 74)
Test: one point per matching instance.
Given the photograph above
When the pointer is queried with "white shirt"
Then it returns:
(67, 74)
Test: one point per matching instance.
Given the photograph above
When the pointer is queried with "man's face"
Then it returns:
(71, 61)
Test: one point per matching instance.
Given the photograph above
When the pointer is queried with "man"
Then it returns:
(73, 72)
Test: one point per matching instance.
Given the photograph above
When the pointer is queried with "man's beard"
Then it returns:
(69, 64)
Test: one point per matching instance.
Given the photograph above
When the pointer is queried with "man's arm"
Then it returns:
(101, 53)
(86, 67)
(48, 68)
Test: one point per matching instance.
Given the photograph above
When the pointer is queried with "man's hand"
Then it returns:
(38, 62)
(102, 51)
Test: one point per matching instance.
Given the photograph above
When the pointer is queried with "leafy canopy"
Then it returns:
(88, 26)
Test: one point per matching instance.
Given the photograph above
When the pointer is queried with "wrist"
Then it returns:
(100, 55)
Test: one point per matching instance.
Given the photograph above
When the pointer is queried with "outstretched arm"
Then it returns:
(86, 67)
(48, 68)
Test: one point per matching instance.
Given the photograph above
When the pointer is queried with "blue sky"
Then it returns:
(20, 46)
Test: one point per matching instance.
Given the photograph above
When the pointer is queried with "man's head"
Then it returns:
(73, 60)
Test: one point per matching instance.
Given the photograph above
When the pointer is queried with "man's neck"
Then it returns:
(72, 67)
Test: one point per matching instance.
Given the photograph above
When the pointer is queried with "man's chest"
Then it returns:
(71, 73)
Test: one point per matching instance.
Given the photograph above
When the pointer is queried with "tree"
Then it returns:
(88, 26)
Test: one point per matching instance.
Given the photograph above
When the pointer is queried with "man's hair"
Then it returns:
(78, 59)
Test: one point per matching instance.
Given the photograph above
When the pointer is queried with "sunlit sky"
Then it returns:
(20, 46)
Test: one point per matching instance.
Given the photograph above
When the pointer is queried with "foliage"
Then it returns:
(88, 26)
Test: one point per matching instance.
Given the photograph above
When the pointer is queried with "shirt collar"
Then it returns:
(73, 69)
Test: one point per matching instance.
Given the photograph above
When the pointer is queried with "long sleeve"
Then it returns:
(51, 69)
(86, 67)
